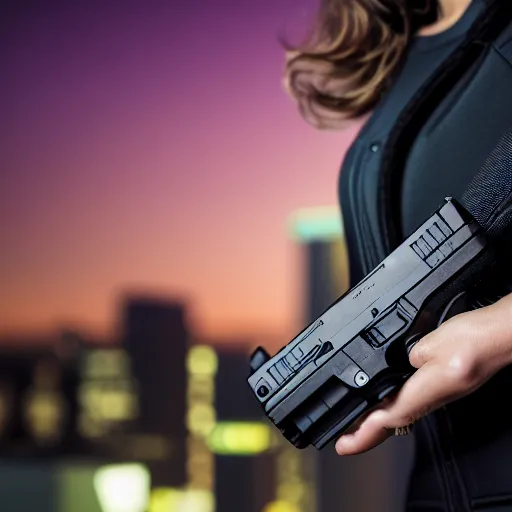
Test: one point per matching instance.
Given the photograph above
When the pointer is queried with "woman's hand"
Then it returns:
(452, 361)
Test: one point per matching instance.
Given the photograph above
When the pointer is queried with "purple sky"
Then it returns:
(149, 145)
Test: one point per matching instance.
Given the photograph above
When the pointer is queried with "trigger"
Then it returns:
(459, 304)
(409, 344)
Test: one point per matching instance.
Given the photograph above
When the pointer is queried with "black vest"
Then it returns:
(464, 451)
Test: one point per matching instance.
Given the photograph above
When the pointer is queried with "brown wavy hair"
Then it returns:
(351, 55)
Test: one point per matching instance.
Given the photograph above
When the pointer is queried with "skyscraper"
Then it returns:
(374, 481)
(244, 476)
(156, 338)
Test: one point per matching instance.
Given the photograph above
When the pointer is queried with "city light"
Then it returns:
(295, 483)
(122, 488)
(197, 501)
(202, 360)
(180, 500)
(240, 438)
(105, 363)
(44, 406)
(45, 414)
(281, 506)
(107, 393)
(165, 499)
(201, 418)
(320, 223)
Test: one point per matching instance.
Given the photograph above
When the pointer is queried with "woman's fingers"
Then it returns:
(428, 389)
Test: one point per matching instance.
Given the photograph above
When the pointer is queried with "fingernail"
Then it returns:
(341, 444)
(339, 449)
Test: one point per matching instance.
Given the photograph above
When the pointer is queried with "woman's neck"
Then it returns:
(450, 11)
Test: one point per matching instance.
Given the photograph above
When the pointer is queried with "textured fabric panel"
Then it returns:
(489, 195)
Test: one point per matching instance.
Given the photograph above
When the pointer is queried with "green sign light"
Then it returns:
(316, 224)
(240, 438)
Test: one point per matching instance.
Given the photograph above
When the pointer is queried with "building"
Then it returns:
(156, 337)
(241, 440)
(40, 405)
(64, 400)
(374, 481)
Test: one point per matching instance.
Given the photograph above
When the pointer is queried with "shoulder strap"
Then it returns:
(484, 31)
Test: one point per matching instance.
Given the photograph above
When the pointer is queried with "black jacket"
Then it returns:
(464, 451)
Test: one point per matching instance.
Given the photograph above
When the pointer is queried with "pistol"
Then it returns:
(356, 353)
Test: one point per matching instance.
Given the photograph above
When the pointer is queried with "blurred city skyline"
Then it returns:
(148, 147)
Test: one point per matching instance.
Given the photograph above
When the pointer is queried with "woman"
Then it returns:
(433, 80)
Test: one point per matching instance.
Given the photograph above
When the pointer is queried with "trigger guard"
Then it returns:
(459, 304)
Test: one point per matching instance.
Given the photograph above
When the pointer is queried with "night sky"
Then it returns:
(149, 146)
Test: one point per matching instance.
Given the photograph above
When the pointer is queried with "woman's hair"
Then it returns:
(347, 62)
